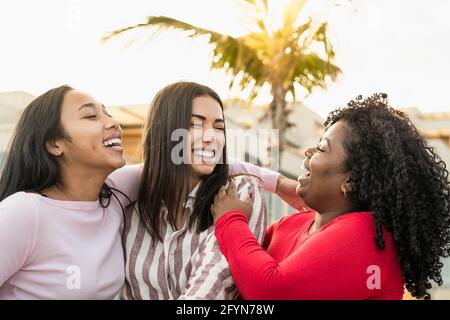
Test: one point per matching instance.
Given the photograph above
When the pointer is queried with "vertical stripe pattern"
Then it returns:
(186, 265)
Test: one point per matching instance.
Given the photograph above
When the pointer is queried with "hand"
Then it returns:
(227, 200)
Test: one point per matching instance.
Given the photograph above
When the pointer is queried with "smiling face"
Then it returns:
(206, 135)
(95, 137)
(326, 178)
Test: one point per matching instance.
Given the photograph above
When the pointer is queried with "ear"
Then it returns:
(346, 186)
(54, 147)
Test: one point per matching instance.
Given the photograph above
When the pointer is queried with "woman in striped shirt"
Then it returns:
(171, 250)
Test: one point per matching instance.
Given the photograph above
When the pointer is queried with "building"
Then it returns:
(11, 106)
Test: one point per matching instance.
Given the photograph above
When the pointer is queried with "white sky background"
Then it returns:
(396, 46)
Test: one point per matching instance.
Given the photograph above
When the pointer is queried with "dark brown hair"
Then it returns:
(29, 166)
(162, 180)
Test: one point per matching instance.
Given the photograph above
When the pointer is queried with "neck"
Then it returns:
(180, 217)
(79, 185)
(192, 183)
(322, 218)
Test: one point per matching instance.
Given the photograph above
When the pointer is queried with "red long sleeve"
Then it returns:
(338, 261)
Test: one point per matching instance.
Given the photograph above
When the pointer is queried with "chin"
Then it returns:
(118, 164)
(202, 170)
(122, 163)
(300, 191)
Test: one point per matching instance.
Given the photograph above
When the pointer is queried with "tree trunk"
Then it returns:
(278, 115)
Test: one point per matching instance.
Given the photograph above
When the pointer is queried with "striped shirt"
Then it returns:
(186, 264)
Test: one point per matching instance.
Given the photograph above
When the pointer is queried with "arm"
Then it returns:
(18, 228)
(286, 190)
(332, 266)
(273, 182)
(126, 180)
(211, 277)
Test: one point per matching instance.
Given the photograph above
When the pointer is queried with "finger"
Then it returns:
(232, 189)
(222, 192)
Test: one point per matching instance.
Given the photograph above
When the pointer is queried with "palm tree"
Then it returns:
(295, 53)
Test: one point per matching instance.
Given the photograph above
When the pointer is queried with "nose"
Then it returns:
(309, 152)
(111, 123)
(209, 136)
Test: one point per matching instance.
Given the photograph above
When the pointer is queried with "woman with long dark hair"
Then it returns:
(381, 197)
(171, 251)
(60, 223)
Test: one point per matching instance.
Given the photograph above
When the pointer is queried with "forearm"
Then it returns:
(253, 269)
(286, 190)
(267, 176)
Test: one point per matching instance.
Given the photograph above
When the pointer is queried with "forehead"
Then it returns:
(74, 99)
(337, 131)
(207, 107)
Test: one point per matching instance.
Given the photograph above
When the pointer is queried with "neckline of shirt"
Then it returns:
(67, 204)
(342, 216)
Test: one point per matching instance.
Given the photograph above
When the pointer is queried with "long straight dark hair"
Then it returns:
(29, 166)
(163, 181)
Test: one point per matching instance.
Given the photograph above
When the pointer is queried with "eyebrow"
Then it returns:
(327, 141)
(90, 105)
(204, 118)
(87, 105)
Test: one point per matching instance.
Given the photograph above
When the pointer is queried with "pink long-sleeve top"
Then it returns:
(53, 249)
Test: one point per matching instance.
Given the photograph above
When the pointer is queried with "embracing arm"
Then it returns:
(273, 182)
(126, 180)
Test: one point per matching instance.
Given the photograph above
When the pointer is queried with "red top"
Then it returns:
(338, 261)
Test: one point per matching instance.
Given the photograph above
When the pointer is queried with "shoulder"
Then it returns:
(17, 201)
(356, 229)
(360, 227)
(19, 208)
(249, 185)
(246, 180)
(359, 222)
(126, 181)
(296, 219)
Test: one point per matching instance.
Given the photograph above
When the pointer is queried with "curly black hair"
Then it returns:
(397, 176)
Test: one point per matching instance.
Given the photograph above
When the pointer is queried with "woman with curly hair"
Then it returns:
(381, 219)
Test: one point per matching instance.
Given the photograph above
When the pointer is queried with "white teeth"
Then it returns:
(110, 142)
(204, 153)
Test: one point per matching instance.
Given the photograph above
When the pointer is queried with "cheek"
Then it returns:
(87, 148)
(220, 138)
(87, 139)
(195, 138)
(317, 166)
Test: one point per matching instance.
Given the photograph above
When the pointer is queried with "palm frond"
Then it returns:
(311, 71)
(291, 13)
(162, 23)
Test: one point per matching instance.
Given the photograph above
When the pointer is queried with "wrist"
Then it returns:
(280, 184)
(225, 215)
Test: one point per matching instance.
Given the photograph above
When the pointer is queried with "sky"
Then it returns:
(395, 46)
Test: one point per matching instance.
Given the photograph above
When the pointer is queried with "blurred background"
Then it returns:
(280, 64)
